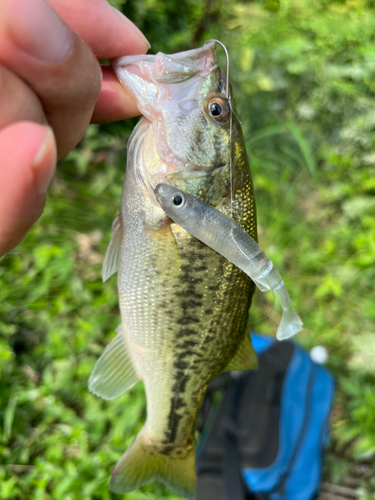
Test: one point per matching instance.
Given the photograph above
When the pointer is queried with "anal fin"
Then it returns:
(114, 372)
(245, 357)
(113, 255)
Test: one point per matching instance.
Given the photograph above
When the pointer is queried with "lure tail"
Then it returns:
(143, 463)
(290, 323)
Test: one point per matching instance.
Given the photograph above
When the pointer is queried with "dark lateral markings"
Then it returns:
(186, 344)
(180, 364)
(186, 360)
(188, 353)
(188, 320)
(200, 268)
(186, 332)
(189, 291)
(177, 403)
(173, 422)
(187, 336)
(190, 303)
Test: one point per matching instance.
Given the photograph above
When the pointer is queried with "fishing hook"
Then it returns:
(229, 97)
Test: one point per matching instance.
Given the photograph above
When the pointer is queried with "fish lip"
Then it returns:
(191, 54)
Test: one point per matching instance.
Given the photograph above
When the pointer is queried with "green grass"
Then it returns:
(303, 76)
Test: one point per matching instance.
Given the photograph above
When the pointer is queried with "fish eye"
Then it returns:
(178, 200)
(219, 109)
(215, 109)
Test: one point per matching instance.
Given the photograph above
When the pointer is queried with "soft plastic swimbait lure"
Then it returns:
(225, 236)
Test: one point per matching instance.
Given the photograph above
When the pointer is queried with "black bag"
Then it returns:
(265, 438)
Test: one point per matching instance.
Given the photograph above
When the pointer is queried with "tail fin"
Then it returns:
(143, 463)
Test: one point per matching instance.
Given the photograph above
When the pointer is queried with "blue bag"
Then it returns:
(265, 439)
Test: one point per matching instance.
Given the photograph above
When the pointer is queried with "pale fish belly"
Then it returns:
(184, 310)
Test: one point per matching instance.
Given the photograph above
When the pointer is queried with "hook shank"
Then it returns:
(227, 57)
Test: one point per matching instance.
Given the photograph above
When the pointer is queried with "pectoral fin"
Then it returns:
(114, 372)
(113, 256)
(245, 357)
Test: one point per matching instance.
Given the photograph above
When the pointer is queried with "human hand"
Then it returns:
(51, 87)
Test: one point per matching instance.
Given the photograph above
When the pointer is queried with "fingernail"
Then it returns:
(39, 31)
(134, 28)
(44, 168)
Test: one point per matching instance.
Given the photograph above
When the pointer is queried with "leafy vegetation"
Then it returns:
(303, 75)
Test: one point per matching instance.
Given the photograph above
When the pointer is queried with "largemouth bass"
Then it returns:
(184, 307)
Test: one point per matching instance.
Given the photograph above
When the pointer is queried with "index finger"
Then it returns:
(109, 34)
(104, 29)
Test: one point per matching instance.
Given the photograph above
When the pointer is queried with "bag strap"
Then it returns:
(234, 487)
(233, 482)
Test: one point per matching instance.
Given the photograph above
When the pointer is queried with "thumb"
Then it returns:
(27, 165)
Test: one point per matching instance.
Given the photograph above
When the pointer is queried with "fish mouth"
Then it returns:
(163, 69)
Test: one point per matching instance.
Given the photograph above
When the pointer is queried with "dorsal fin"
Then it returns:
(113, 255)
(245, 357)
